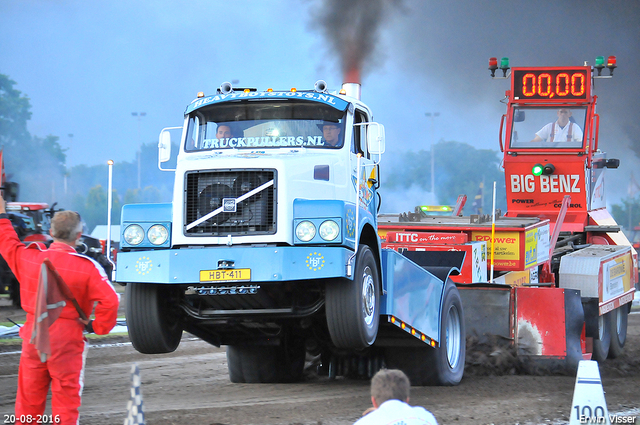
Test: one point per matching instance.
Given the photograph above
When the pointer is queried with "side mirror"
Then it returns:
(375, 138)
(518, 116)
(164, 146)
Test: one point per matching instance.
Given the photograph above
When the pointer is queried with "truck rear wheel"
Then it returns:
(353, 306)
(443, 365)
(618, 325)
(602, 341)
(153, 325)
(260, 364)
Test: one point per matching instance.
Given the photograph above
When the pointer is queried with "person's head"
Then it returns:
(331, 133)
(563, 116)
(224, 132)
(389, 384)
(66, 227)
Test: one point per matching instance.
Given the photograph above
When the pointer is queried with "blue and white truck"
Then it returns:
(270, 246)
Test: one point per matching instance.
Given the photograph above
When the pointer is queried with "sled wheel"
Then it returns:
(602, 342)
(618, 325)
(353, 306)
(152, 321)
(443, 365)
(259, 364)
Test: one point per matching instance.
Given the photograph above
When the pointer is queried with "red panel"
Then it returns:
(540, 321)
(541, 196)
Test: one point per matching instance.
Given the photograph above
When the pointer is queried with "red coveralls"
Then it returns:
(64, 370)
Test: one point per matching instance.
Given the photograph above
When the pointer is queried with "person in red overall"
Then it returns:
(64, 369)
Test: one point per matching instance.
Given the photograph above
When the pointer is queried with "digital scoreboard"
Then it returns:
(556, 84)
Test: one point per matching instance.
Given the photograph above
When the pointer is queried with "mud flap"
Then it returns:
(487, 310)
(544, 324)
(548, 328)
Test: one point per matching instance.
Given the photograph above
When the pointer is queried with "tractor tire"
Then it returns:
(353, 306)
(152, 321)
(602, 341)
(259, 364)
(618, 324)
(443, 365)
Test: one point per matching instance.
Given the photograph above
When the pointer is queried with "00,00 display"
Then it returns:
(550, 84)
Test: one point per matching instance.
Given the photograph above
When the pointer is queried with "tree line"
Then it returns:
(39, 166)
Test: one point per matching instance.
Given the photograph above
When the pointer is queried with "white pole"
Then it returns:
(493, 228)
(109, 208)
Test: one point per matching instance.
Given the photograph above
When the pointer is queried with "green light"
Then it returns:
(504, 63)
(537, 170)
(445, 208)
(599, 61)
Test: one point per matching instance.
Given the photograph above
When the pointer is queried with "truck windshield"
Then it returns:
(548, 128)
(251, 124)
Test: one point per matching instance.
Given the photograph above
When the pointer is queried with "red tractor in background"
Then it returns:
(32, 222)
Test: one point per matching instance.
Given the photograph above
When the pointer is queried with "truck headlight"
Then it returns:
(305, 231)
(157, 234)
(133, 234)
(329, 230)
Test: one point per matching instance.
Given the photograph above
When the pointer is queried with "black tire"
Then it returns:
(152, 320)
(443, 365)
(259, 364)
(353, 306)
(602, 341)
(618, 319)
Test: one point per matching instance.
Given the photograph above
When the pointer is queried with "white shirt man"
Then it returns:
(396, 411)
(562, 130)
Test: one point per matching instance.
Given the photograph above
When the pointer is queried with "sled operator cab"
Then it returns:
(551, 144)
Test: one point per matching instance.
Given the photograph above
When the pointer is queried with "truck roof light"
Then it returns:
(343, 91)
(247, 90)
(293, 90)
(269, 90)
(493, 65)
(200, 94)
(537, 170)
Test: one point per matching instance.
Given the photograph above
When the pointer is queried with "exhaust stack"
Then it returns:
(351, 85)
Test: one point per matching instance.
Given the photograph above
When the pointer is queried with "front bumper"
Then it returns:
(267, 264)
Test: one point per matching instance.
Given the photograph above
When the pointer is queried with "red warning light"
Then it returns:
(611, 62)
(493, 65)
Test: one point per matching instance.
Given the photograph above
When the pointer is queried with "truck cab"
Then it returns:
(270, 245)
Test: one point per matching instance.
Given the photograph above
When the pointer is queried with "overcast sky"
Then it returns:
(87, 65)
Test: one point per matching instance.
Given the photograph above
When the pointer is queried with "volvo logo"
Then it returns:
(229, 205)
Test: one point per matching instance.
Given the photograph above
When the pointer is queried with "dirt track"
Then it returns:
(191, 386)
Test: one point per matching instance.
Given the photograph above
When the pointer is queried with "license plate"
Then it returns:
(227, 275)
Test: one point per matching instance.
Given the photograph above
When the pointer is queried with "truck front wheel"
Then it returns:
(153, 325)
(618, 325)
(353, 306)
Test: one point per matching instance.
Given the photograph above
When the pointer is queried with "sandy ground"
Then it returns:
(191, 386)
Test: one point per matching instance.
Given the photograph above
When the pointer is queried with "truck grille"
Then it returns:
(243, 202)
